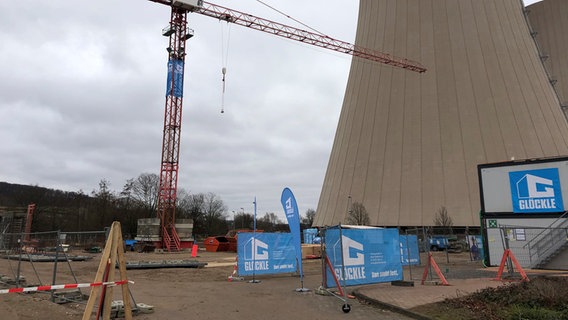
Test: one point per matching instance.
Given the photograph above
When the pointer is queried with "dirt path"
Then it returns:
(202, 293)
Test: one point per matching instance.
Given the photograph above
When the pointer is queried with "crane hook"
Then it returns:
(224, 72)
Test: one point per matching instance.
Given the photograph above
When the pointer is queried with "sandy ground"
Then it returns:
(184, 293)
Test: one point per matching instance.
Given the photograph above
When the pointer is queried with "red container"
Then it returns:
(218, 243)
(232, 244)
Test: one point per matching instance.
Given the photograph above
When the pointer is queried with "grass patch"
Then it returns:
(543, 298)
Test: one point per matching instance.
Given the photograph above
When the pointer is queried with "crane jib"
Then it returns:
(282, 30)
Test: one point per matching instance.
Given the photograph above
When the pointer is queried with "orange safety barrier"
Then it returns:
(194, 249)
(341, 293)
(509, 254)
(334, 275)
(432, 262)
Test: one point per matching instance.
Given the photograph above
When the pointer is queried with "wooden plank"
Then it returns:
(107, 304)
(98, 278)
(113, 253)
(123, 276)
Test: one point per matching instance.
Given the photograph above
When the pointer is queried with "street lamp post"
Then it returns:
(242, 217)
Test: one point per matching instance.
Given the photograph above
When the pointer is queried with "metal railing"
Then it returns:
(548, 242)
(176, 239)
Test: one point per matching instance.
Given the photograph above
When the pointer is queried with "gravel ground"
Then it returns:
(203, 293)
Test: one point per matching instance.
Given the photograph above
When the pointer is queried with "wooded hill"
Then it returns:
(76, 211)
(72, 211)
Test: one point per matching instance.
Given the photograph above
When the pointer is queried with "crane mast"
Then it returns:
(178, 34)
(29, 218)
(167, 192)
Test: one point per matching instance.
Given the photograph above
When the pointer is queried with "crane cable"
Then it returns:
(225, 51)
(289, 17)
(224, 59)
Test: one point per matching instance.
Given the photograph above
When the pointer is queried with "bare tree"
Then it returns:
(128, 206)
(358, 215)
(104, 199)
(270, 217)
(145, 190)
(443, 219)
(244, 220)
(206, 210)
(268, 222)
(309, 218)
(213, 213)
(192, 206)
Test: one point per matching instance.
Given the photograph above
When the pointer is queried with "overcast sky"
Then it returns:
(82, 94)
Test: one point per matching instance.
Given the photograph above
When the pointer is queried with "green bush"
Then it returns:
(536, 313)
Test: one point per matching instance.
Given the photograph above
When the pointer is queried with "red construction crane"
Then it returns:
(178, 34)
(29, 218)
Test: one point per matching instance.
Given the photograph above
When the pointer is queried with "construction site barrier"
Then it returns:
(234, 275)
(432, 263)
(508, 254)
(65, 286)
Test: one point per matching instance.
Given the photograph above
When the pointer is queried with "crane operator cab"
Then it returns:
(189, 5)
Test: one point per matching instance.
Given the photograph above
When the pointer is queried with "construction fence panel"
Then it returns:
(532, 247)
(50, 242)
(23, 252)
(453, 242)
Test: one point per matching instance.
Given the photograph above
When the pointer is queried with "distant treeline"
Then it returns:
(72, 211)
(76, 211)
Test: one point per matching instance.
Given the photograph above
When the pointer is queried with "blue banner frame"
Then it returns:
(409, 251)
(290, 207)
(369, 256)
(267, 253)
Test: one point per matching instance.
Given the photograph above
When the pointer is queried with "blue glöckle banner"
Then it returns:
(363, 256)
(265, 253)
(175, 72)
(536, 191)
(293, 216)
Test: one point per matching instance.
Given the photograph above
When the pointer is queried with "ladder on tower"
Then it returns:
(11, 228)
(171, 239)
(5, 223)
(17, 225)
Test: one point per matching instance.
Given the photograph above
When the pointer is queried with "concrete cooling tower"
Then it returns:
(408, 144)
(549, 22)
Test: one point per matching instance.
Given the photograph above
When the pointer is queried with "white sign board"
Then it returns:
(524, 187)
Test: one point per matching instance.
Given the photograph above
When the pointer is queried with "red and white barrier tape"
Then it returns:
(65, 286)
(235, 269)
